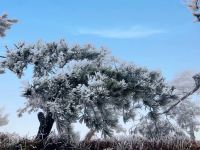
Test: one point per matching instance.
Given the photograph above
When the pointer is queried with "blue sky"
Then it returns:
(157, 34)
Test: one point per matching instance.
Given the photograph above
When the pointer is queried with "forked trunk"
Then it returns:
(46, 124)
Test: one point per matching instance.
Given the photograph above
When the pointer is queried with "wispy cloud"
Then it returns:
(133, 32)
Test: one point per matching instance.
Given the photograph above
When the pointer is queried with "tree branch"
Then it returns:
(2, 57)
(197, 82)
(194, 6)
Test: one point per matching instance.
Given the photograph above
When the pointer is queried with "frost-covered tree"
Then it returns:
(3, 118)
(183, 82)
(86, 85)
(5, 24)
(64, 92)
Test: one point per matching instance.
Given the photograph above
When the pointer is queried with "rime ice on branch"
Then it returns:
(194, 6)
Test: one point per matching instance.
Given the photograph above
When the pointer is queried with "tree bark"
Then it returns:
(89, 135)
(46, 124)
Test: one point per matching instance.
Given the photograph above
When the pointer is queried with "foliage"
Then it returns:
(5, 24)
(156, 129)
(56, 92)
(186, 114)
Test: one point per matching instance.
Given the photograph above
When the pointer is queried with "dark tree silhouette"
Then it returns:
(46, 124)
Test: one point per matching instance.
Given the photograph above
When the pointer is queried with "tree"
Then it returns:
(5, 24)
(53, 92)
(183, 82)
(84, 84)
(3, 118)
(186, 114)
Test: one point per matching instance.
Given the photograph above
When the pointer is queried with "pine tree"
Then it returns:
(87, 85)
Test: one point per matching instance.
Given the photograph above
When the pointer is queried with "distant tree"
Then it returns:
(183, 82)
(3, 118)
(5, 24)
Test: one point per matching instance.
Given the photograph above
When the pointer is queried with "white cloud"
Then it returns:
(133, 32)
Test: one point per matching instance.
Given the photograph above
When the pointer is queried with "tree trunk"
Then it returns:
(89, 135)
(191, 132)
(46, 124)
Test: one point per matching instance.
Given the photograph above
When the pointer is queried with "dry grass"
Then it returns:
(13, 142)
